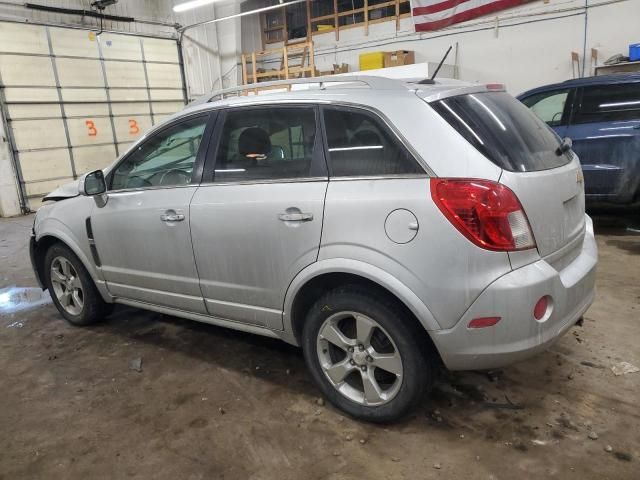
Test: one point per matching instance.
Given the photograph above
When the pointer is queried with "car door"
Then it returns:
(605, 130)
(142, 234)
(257, 220)
(553, 107)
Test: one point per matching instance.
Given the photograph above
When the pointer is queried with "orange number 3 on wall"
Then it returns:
(93, 131)
(133, 127)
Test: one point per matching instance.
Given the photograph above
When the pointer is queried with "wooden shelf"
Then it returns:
(296, 60)
(334, 19)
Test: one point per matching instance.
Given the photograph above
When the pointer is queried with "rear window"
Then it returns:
(503, 130)
(607, 103)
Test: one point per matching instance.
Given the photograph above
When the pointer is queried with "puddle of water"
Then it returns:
(15, 299)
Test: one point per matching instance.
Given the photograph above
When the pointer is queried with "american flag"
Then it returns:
(436, 14)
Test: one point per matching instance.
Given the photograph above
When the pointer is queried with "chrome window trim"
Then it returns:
(144, 189)
(398, 176)
(267, 181)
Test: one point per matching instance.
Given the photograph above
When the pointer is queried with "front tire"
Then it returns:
(365, 355)
(71, 287)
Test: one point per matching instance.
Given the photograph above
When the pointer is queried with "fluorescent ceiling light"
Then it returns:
(183, 7)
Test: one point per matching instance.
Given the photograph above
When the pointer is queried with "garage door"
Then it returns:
(75, 100)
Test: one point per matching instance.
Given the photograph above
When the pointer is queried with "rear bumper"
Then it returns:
(512, 297)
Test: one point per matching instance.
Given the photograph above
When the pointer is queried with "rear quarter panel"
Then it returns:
(440, 266)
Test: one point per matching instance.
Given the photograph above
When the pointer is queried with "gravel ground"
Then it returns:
(145, 395)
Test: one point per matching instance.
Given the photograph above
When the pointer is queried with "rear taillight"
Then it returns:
(487, 213)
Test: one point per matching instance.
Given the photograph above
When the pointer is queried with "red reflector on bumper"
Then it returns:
(541, 307)
(483, 322)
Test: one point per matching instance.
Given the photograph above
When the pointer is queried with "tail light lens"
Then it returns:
(487, 213)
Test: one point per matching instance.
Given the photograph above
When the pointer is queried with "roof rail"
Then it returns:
(373, 82)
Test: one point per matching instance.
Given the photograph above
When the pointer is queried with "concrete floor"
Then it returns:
(213, 403)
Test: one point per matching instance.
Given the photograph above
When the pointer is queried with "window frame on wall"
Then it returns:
(329, 14)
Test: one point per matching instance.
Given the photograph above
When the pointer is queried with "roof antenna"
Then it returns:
(431, 81)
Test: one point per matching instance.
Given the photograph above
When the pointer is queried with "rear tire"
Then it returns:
(71, 287)
(367, 358)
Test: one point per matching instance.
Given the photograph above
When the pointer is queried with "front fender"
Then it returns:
(52, 227)
(365, 270)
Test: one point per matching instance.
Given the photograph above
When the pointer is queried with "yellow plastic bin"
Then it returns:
(371, 60)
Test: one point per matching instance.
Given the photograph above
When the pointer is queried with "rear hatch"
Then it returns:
(548, 184)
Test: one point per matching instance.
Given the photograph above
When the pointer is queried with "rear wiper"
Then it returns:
(565, 146)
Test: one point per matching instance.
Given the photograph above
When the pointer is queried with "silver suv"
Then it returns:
(383, 226)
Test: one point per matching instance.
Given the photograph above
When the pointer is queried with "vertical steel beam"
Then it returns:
(106, 87)
(62, 111)
(183, 74)
(146, 80)
(13, 150)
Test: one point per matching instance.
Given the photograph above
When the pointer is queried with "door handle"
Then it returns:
(296, 217)
(172, 217)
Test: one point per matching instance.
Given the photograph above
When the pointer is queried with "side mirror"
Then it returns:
(94, 183)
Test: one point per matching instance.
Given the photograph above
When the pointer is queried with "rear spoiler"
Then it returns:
(434, 94)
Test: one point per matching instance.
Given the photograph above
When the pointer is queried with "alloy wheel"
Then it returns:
(359, 358)
(67, 286)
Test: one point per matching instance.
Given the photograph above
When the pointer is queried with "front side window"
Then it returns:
(607, 103)
(266, 144)
(164, 160)
(548, 106)
(360, 145)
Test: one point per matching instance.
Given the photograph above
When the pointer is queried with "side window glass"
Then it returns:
(266, 144)
(606, 103)
(548, 106)
(166, 159)
(360, 145)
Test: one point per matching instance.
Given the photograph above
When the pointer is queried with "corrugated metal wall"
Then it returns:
(211, 52)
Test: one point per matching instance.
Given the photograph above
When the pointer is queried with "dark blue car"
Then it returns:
(602, 117)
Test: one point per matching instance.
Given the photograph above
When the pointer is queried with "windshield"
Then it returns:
(504, 130)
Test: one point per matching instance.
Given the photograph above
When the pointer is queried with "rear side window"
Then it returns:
(266, 144)
(606, 103)
(548, 106)
(360, 145)
(504, 130)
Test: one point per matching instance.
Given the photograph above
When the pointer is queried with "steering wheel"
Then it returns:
(138, 182)
(175, 177)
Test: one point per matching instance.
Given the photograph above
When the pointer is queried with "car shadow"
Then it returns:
(620, 226)
(249, 354)
(281, 364)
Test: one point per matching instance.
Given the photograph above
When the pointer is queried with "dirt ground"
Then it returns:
(211, 403)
